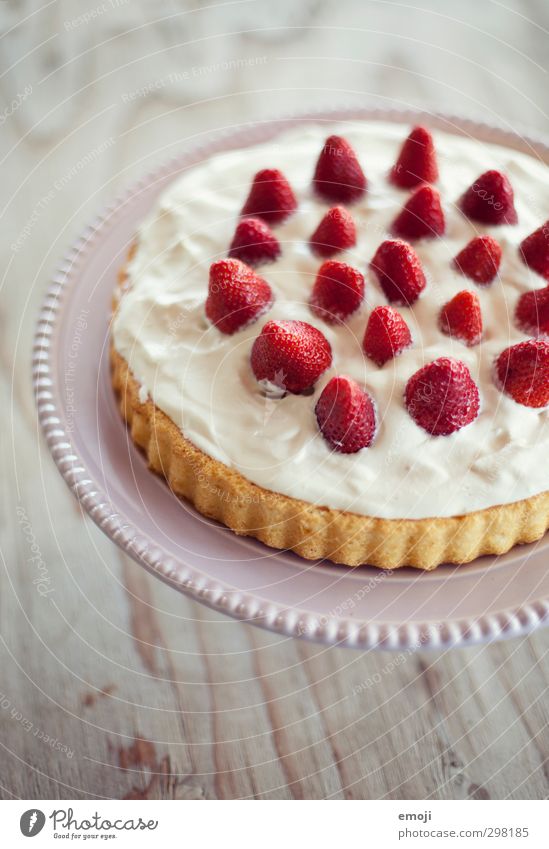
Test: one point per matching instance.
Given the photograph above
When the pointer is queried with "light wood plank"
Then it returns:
(152, 695)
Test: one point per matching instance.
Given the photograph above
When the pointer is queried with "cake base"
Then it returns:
(313, 532)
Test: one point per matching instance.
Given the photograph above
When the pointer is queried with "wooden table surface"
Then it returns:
(112, 684)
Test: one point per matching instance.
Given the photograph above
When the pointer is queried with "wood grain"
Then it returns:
(112, 685)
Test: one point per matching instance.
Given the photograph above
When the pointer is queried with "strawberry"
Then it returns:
(523, 372)
(399, 271)
(479, 259)
(290, 354)
(346, 415)
(442, 397)
(338, 176)
(237, 296)
(417, 160)
(338, 291)
(461, 317)
(336, 232)
(534, 250)
(254, 243)
(271, 197)
(421, 217)
(490, 200)
(386, 336)
(532, 312)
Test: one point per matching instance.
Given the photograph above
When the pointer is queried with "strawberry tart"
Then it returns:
(338, 343)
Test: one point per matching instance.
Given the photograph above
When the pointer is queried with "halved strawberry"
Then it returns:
(442, 397)
(532, 312)
(421, 217)
(338, 291)
(534, 250)
(398, 269)
(290, 354)
(338, 176)
(346, 415)
(490, 199)
(237, 296)
(386, 336)
(417, 160)
(271, 197)
(254, 242)
(461, 317)
(336, 232)
(479, 260)
(522, 372)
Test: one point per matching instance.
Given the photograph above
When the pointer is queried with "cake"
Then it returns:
(336, 342)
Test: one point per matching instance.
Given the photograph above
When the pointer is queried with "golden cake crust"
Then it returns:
(313, 532)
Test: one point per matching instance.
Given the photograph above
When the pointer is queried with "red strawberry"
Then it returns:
(490, 200)
(271, 197)
(461, 317)
(442, 397)
(237, 296)
(338, 176)
(346, 415)
(254, 242)
(523, 372)
(532, 312)
(336, 232)
(479, 260)
(417, 161)
(421, 217)
(338, 291)
(534, 250)
(399, 271)
(290, 354)
(386, 336)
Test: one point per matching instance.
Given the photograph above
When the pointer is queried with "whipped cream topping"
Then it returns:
(202, 378)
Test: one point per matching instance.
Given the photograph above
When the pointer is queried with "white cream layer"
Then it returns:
(202, 379)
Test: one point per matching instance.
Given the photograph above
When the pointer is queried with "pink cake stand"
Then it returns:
(361, 608)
